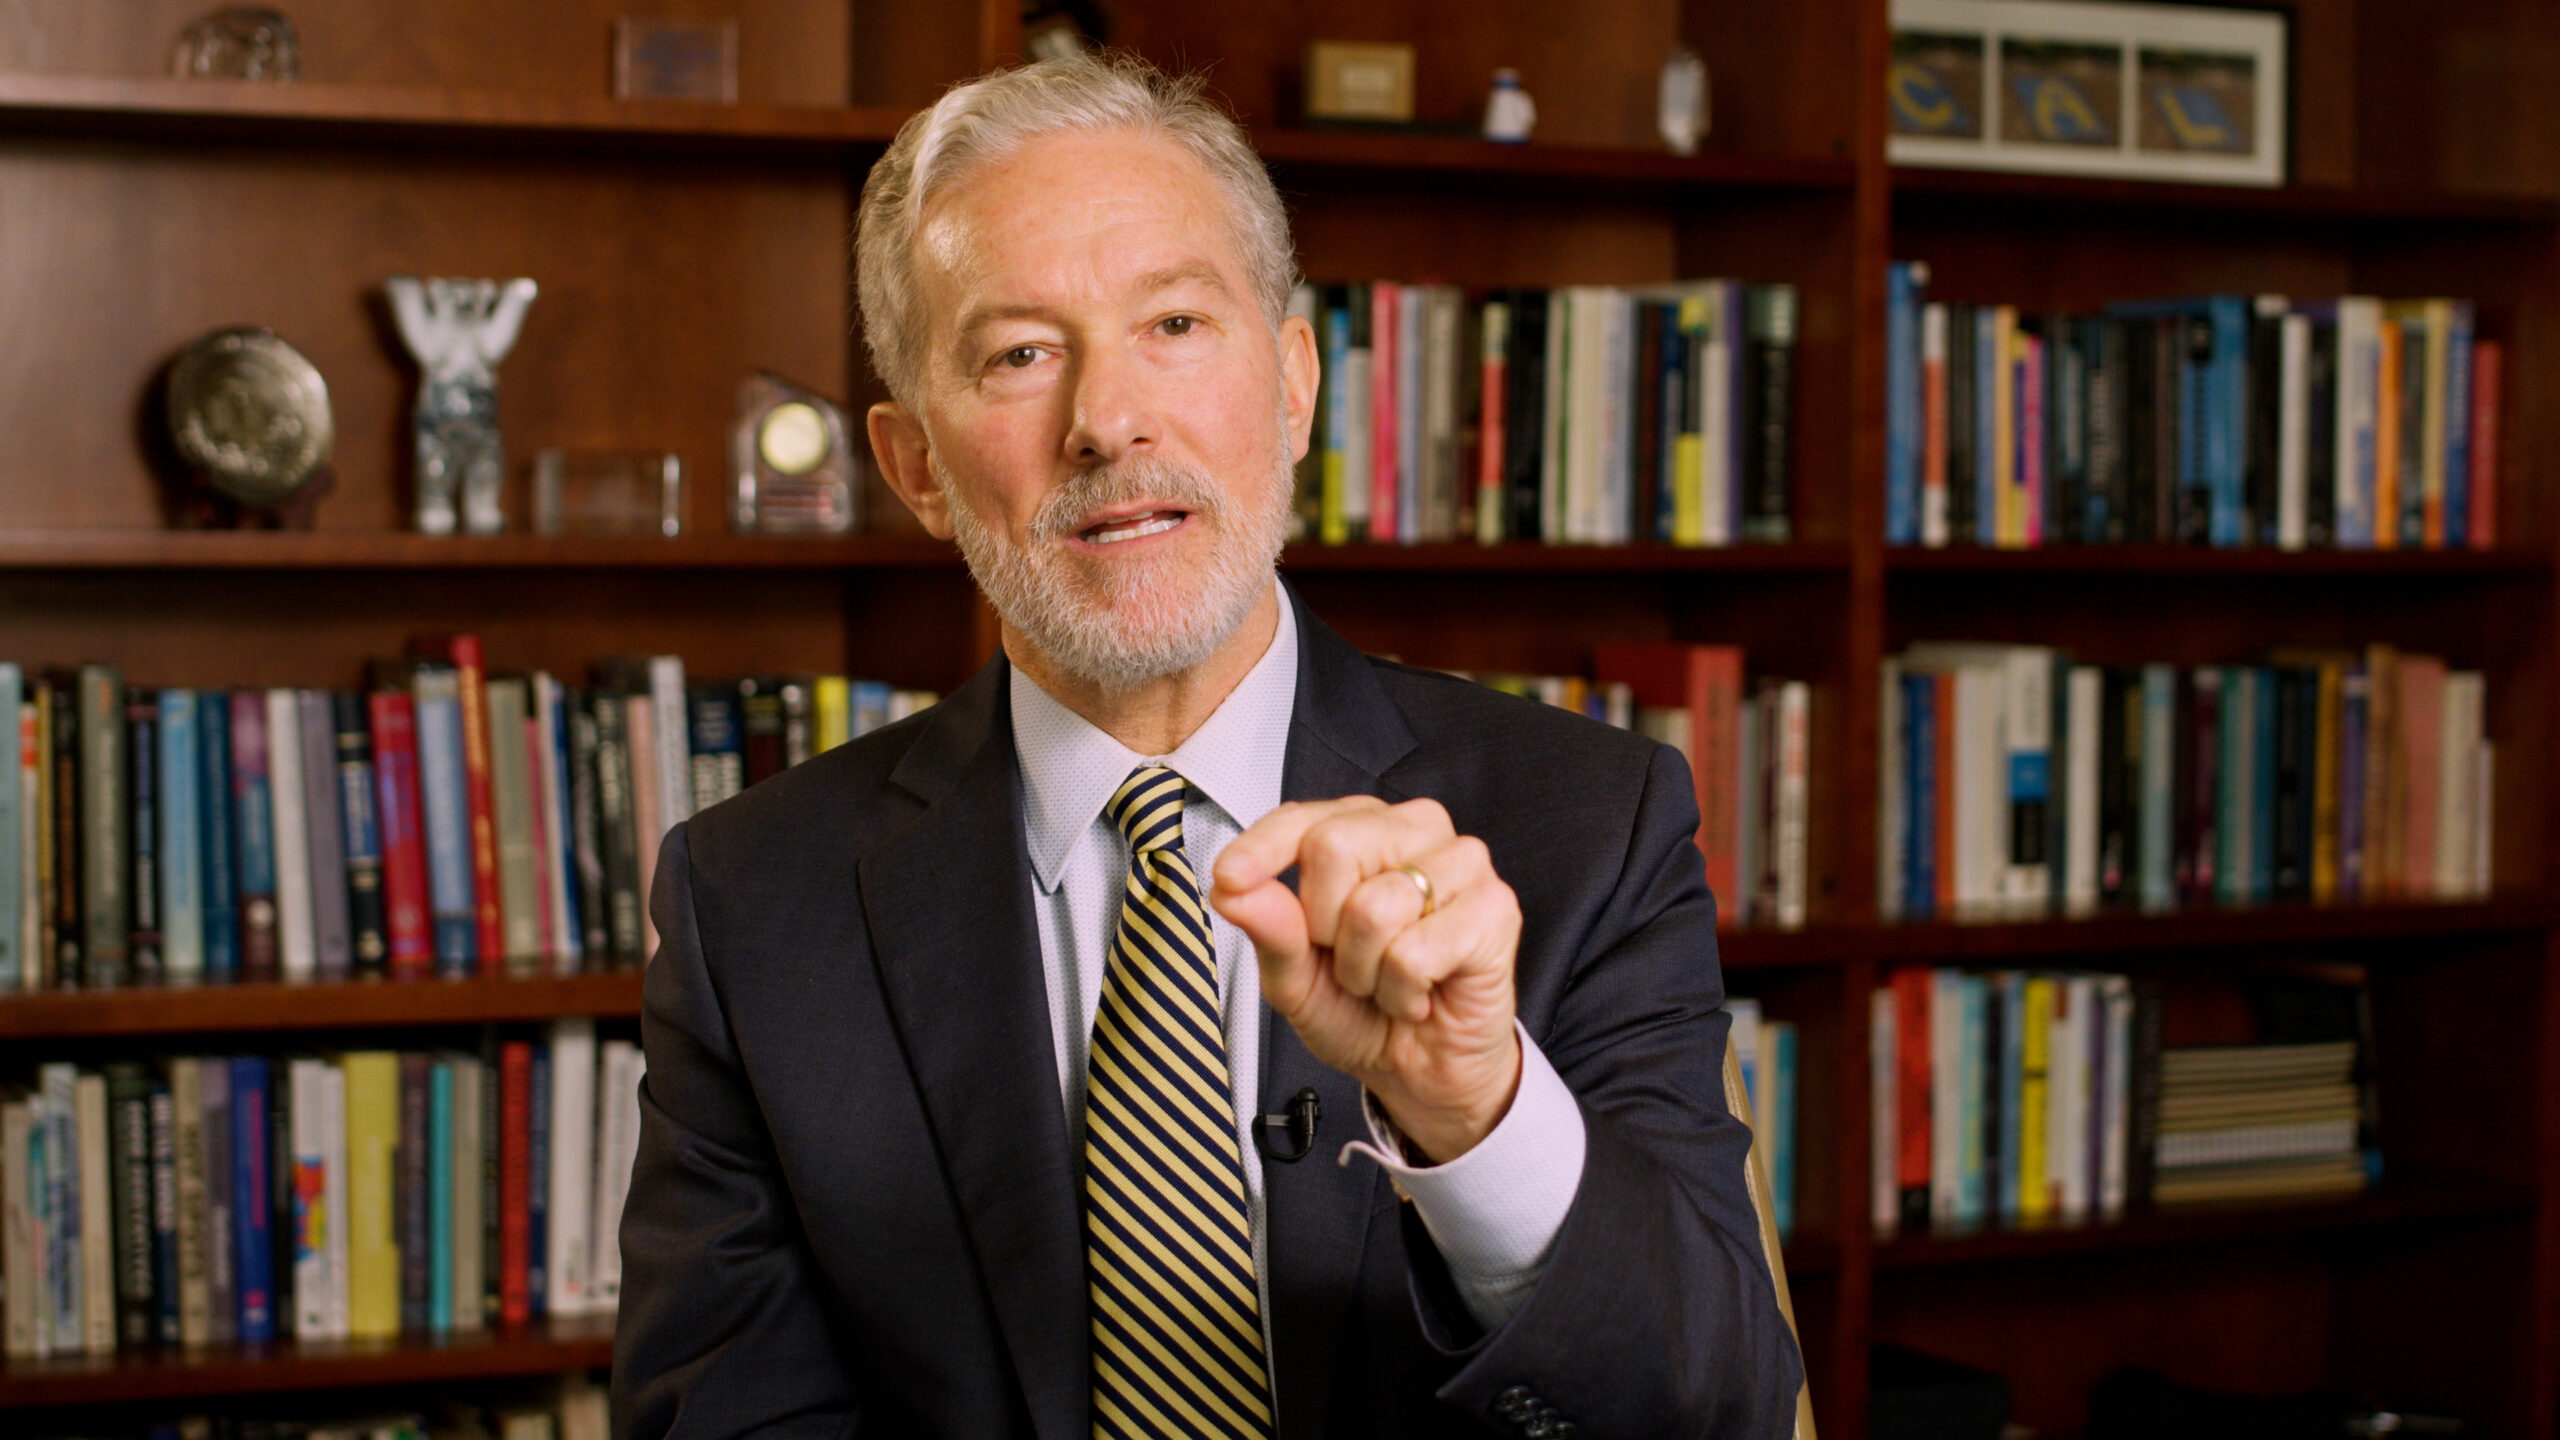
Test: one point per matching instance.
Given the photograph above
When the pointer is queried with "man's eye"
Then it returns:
(1180, 324)
(1020, 356)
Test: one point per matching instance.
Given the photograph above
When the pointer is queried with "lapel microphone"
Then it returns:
(1289, 1136)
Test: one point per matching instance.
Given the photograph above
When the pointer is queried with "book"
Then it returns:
(571, 1162)
(324, 817)
(146, 958)
(251, 1205)
(369, 945)
(511, 813)
(98, 1293)
(470, 672)
(254, 837)
(105, 854)
(373, 1137)
(444, 791)
(412, 1169)
(297, 945)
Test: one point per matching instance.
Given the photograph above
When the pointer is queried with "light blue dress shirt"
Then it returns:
(1495, 1211)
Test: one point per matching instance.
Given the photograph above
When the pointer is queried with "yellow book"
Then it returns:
(2009, 521)
(2035, 1193)
(373, 1239)
(834, 718)
(1688, 446)
(2386, 443)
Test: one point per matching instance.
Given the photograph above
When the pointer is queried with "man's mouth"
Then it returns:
(1131, 527)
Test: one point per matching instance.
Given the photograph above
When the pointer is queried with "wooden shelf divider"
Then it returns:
(544, 1348)
(315, 1005)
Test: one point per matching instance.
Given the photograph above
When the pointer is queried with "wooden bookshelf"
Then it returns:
(191, 1376)
(681, 247)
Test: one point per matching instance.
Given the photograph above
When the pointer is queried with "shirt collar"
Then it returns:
(1069, 767)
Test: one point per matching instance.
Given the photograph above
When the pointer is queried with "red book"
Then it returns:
(462, 652)
(405, 899)
(515, 1181)
(2488, 375)
(1386, 366)
(2422, 768)
(1706, 682)
(1911, 1048)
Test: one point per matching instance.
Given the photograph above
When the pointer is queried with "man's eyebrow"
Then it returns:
(1191, 272)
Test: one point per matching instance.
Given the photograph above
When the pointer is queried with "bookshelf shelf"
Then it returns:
(335, 1005)
(1946, 189)
(372, 550)
(2420, 1199)
(2198, 560)
(166, 108)
(1441, 160)
(1568, 559)
(2003, 940)
(547, 1348)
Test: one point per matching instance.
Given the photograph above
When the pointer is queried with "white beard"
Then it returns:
(1121, 625)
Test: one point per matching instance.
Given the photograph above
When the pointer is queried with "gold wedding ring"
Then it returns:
(1421, 882)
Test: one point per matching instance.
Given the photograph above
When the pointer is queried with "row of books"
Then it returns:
(2227, 420)
(574, 1407)
(445, 820)
(1583, 414)
(209, 1200)
(2015, 780)
(2019, 1098)
(1768, 1051)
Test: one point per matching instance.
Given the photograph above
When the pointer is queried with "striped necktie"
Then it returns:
(1177, 1330)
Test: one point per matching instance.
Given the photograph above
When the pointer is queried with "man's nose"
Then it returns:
(1115, 412)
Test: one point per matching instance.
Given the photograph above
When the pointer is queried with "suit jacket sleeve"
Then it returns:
(1655, 1314)
(722, 1330)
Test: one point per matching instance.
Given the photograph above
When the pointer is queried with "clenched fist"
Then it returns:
(1402, 982)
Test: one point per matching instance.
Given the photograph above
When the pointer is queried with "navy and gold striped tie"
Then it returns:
(1177, 1330)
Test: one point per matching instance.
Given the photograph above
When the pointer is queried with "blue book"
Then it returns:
(2213, 411)
(220, 889)
(1971, 1078)
(1920, 808)
(164, 1211)
(12, 888)
(445, 797)
(1987, 380)
(250, 1199)
(572, 928)
(1673, 407)
(2009, 993)
(57, 1180)
(1782, 1144)
(870, 704)
(2457, 427)
(440, 1197)
(1903, 418)
(253, 833)
(2159, 734)
(538, 1186)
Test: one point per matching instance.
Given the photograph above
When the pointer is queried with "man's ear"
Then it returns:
(905, 453)
(1300, 372)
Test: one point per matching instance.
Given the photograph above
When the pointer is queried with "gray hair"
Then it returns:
(981, 121)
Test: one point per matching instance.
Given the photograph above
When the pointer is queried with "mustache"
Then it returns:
(1136, 478)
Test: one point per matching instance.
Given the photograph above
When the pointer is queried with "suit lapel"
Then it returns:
(971, 1008)
(1343, 734)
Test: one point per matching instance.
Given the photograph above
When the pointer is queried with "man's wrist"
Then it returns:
(1435, 1134)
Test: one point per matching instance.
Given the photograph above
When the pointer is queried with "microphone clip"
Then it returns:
(1287, 1137)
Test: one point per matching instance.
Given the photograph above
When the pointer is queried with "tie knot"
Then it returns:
(1148, 808)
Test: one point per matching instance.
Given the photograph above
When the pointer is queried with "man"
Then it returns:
(958, 1035)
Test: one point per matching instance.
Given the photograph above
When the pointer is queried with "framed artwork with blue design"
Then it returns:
(2164, 92)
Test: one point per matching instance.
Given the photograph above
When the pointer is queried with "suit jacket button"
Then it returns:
(1515, 1404)
(1541, 1426)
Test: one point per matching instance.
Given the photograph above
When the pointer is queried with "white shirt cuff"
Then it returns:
(1495, 1211)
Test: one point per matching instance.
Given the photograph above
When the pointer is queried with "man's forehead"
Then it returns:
(1135, 204)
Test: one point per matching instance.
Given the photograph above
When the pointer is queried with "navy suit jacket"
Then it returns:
(855, 1211)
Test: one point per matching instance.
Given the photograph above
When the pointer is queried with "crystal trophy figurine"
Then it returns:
(1509, 113)
(1682, 102)
(459, 330)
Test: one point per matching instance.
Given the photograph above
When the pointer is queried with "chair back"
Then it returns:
(1737, 1100)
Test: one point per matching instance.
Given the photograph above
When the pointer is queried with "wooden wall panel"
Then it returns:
(790, 52)
(663, 284)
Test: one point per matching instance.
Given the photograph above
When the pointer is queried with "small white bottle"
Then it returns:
(1509, 113)
(1683, 101)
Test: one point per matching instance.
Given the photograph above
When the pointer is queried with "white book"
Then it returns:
(1593, 407)
(573, 1124)
(1891, 795)
(673, 732)
(1946, 1096)
(2359, 379)
(2067, 1098)
(2457, 778)
(1716, 417)
(97, 1221)
(311, 1281)
(22, 1250)
(1790, 736)
(1444, 377)
(333, 1146)
(1883, 1129)
(2293, 434)
(2115, 996)
(1358, 410)
(297, 950)
(2080, 811)
(617, 1147)
(1981, 791)
(1933, 498)
(470, 1275)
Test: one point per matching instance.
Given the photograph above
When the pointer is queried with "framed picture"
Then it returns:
(2161, 92)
